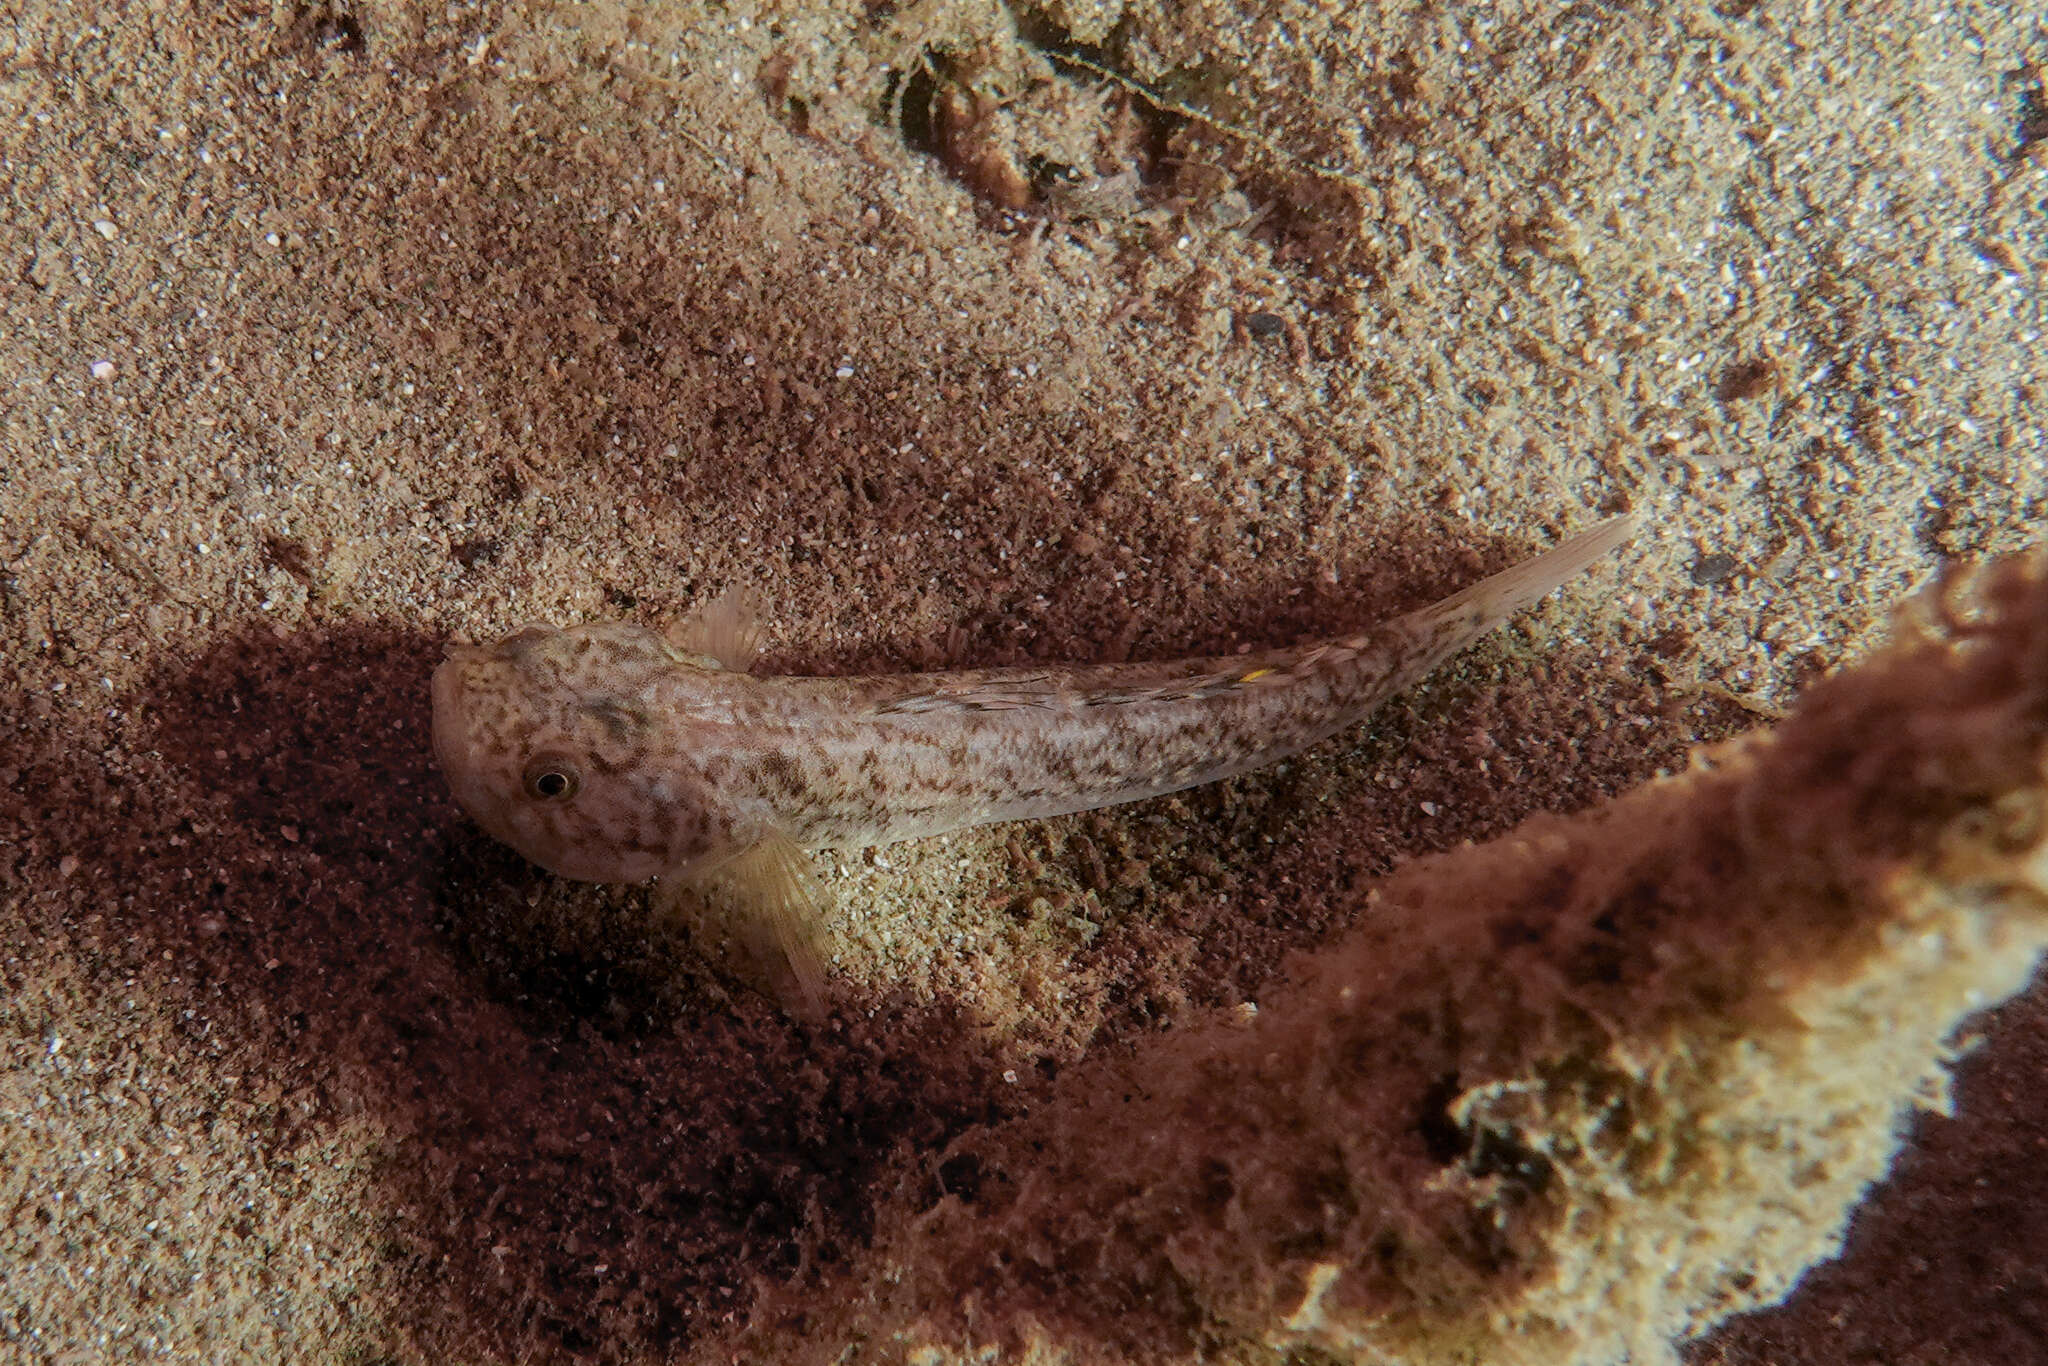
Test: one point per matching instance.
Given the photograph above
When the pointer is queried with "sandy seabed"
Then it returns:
(962, 335)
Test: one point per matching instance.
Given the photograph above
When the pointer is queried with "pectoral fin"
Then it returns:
(772, 905)
(728, 629)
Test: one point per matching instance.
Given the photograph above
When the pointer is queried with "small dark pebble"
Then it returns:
(290, 556)
(1264, 324)
(1710, 569)
(1750, 379)
(470, 554)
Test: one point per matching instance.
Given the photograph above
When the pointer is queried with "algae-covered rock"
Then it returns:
(1571, 1096)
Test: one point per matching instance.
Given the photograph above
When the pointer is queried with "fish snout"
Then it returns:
(450, 721)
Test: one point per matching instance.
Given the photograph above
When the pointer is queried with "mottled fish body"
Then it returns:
(609, 752)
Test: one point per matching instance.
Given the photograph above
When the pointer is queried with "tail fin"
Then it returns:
(1444, 628)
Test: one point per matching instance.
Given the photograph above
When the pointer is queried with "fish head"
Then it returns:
(552, 740)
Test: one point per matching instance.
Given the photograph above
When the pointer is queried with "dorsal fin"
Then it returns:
(727, 629)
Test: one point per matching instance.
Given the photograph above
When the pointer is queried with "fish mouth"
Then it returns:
(450, 727)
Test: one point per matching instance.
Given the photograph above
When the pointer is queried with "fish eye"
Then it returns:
(551, 778)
